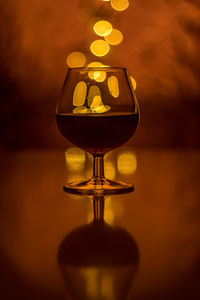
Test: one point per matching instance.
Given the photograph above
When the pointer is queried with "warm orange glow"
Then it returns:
(76, 59)
(102, 28)
(113, 86)
(99, 47)
(75, 158)
(127, 163)
(115, 37)
(80, 92)
(133, 82)
(119, 5)
(107, 287)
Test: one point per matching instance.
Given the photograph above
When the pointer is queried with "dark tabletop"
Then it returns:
(161, 219)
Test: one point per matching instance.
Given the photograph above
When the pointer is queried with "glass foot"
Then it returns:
(98, 187)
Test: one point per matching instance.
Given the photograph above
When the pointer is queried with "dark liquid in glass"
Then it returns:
(97, 133)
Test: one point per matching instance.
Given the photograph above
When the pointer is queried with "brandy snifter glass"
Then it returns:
(97, 111)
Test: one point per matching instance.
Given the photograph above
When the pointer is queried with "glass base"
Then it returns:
(98, 187)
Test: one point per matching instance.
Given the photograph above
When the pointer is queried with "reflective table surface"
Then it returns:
(148, 246)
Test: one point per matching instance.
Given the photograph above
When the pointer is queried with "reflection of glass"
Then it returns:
(97, 112)
(98, 261)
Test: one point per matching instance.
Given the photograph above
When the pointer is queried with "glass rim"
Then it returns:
(101, 68)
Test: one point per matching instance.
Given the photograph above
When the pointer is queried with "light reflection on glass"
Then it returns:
(100, 76)
(96, 102)
(127, 163)
(80, 110)
(80, 92)
(75, 158)
(113, 86)
(93, 92)
(93, 65)
(133, 82)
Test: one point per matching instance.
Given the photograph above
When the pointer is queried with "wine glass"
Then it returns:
(97, 111)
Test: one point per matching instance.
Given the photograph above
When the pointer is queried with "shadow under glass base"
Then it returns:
(98, 187)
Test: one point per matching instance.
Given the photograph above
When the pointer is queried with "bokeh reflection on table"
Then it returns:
(162, 215)
(98, 261)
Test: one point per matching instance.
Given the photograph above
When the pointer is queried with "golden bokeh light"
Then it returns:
(99, 76)
(94, 91)
(113, 86)
(98, 283)
(133, 82)
(80, 92)
(91, 276)
(99, 48)
(94, 64)
(102, 28)
(119, 5)
(114, 38)
(75, 177)
(109, 170)
(108, 211)
(76, 59)
(118, 208)
(127, 163)
(75, 158)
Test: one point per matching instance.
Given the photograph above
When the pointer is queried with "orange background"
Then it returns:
(160, 50)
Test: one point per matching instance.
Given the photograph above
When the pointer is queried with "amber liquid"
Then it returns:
(97, 133)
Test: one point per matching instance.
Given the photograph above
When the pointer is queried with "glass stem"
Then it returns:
(98, 167)
(98, 206)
